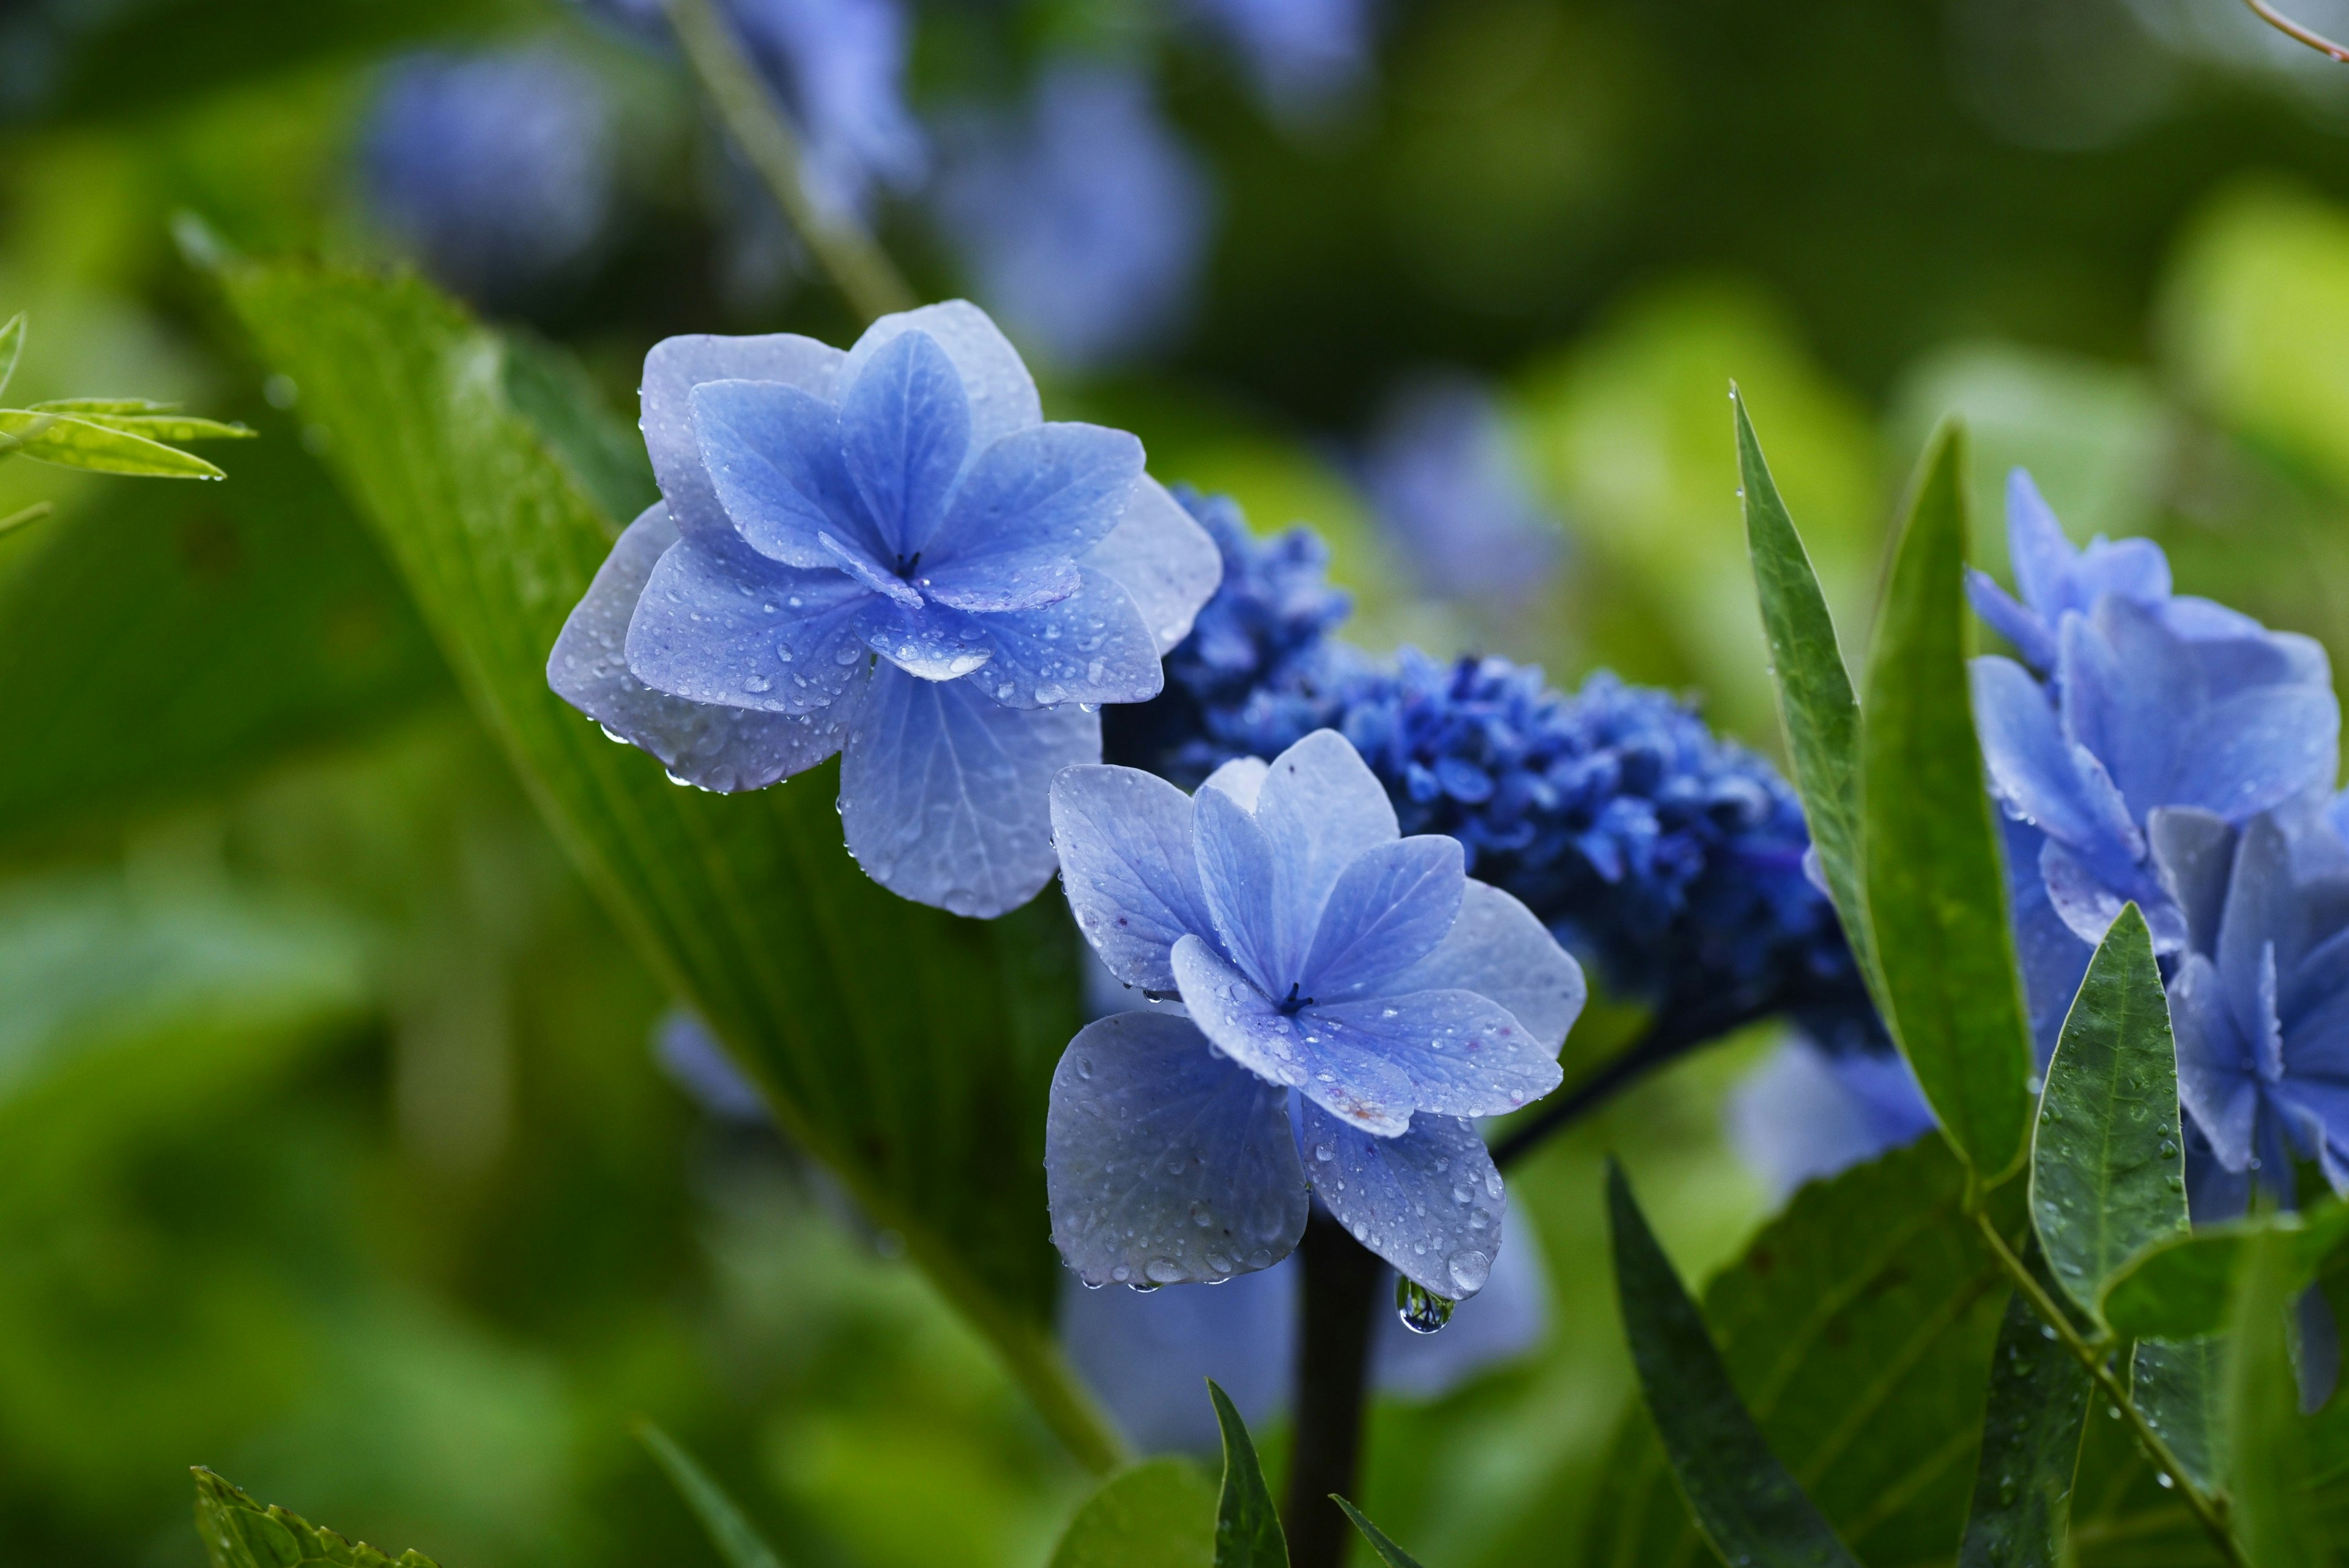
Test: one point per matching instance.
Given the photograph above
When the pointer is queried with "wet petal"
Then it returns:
(1389, 910)
(1464, 1054)
(2034, 768)
(932, 642)
(1242, 778)
(2036, 546)
(2195, 851)
(1166, 563)
(1089, 646)
(1320, 808)
(720, 623)
(1360, 1085)
(2214, 1076)
(2017, 623)
(1002, 394)
(1499, 950)
(1148, 1354)
(1240, 883)
(904, 428)
(1430, 1202)
(1126, 862)
(678, 365)
(773, 456)
(2258, 749)
(1032, 504)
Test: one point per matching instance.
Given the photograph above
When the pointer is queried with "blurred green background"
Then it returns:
(333, 1154)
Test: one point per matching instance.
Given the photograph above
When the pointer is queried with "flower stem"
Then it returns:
(841, 244)
(2291, 29)
(2209, 1512)
(1333, 1353)
(33, 514)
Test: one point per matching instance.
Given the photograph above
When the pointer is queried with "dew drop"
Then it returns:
(1470, 1268)
(1165, 1270)
(1421, 1309)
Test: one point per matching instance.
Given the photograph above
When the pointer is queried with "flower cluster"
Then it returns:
(888, 554)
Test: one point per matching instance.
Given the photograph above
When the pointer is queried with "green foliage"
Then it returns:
(2177, 1385)
(906, 1049)
(2108, 1162)
(2268, 1463)
(2031, 1441)
(1750, 1509)
(120, 435)
(1158, 1514)
(2178, 1285)
(12, 347)
(239, 1532)
(1391, 1554)
(738, 1541)
(1936, 886)
(1247, 1527)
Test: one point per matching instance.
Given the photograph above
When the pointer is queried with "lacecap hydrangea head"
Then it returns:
(887, 553)
(1345, 990)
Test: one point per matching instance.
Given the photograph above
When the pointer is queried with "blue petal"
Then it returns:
(861, 565)
(1089, 646)
(1163, 1163)
(1430, 1202)
(1031, 503)
(2035, 770)
(1242, 778)
(1002, 394)
(1148, 1354)
(904, 427)
(1464, 1054)
(720, 623)
(2214, 1077)
(717, 748)
(1320, 808)
(2089, 895)
(2020, 625)
(2195, 851)
(772, 452)
(1388, 911)
(1127, 865)
(2037, 548)
(1166, 563)
(678, 365)
(2136, 569)
(1498, 949)
(2052, 957)
(944, 796)
(1362, 1086)
(2263, 904)
(1240, 884)
(932, 642)
(1806, 1114)
(2258, 749)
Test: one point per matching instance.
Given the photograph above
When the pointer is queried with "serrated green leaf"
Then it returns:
(738, 1541)
(239, 1532)
(2107, 1160)
(1750, 1507)
(1391, 1554)
(1247, 1527)
(1936, 886)
(1858, 1326)
(909, 1050)
(2179, 1286)
(1815, 704)
(12, 347)
(2031, 1424)
(1158, 1514)
(70, 442)
(2267, 1459)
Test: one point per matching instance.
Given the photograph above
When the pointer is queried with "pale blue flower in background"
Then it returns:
(1347, 990)
(692, 1059)
(1302, 56)
(1447, 484)
(902, 499)
(495, 171)
(1806, 1114)
(1084, 222)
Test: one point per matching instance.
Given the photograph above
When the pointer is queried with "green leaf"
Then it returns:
(1936, 888)
(1391, 1554)
(1815, 703)
(1158, 1514)
(70, 442)
(909, 1050)
(101, 406)
(11, 347)
(1247, 1528)
(2267, 1446)
(1750, 1509)
(2179, 1286)
(239, 1532)
(603, 457)
(737, 1539)
(2177, 1386)
(2037, 1409)
(159, 427)
(1856, 1326)
(2107, 1165)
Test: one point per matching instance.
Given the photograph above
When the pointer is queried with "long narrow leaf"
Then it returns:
(164, 427)
(1247, 1527)
(2038, 1408)
(12, 346)
(1391, 1554)
(737, 1539)
(1936, 888)
(71, 442)
(2268, 1452)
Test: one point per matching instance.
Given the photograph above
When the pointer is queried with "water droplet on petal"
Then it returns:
(1469, 1270)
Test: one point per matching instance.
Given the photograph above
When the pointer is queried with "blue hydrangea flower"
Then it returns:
(1301, 55)
(1807, 1113)
(888, 554)
(1344, 988)
(495, 170)
(1449, 487)
(2261, 999)
(1085, 225)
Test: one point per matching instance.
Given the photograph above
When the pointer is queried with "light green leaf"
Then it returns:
(1247, 1527)
(101, 406)
(160, 427)
(2180, 1285)
(70, 442)
(737, 1539)
(1856, 1326)
(909, 1050)
(239, 1532)
(1158, 1514)
(1815, 703)
(2177, 1385)
(1936, 888)
(11, 347)
(2267, 1446)
(1391, 1554)
(2031, 1441)
(2107, 1165)
(1750, 1509)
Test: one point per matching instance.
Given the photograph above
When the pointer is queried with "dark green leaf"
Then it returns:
(2031, 1441)
(71, 442)
(1815, 703)
(1160, 1514)
(1858, 1326)
(2177, 1384)
(2107, 1163)
(737, 1539)
(1247, 1528)
(2179, 1286)
(239, 1532)
(1750, 1509)
(1936, 888)
(909, 1050)
(1391, 1554)
(2267, 1447)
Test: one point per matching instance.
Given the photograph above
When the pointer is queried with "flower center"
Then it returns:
(907, 565)
(1291, 1003)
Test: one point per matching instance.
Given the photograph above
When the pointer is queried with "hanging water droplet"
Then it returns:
(1421, 1309)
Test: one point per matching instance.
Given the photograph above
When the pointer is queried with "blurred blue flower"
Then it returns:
(1084, 223)
(495, 170)
(1314, 949)
(1807, 1113)
(695, 1062)
(2261, 999)
(1301, 55)
(1449, 487)
(903, 499)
